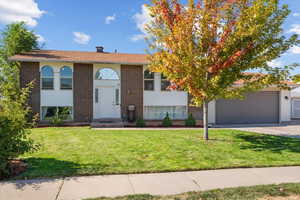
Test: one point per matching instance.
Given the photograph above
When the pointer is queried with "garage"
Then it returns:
(256, 108)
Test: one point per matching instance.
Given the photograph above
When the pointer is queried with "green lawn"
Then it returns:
(267, 192)
(81, 151)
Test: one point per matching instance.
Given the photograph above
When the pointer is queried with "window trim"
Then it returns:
(149, 79)
(98, 71)
(160, 107)
(48, 77)
(65, 77)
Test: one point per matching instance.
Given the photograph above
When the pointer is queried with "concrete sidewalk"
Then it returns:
(76, 188)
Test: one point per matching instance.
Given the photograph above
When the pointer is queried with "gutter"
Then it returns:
(72, 61)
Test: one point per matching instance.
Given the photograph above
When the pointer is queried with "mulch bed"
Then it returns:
(15, 167)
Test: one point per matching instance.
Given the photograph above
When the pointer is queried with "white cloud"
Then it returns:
(40, 38)
(110, 19)
(141, 19)
(81, 38)
(20, 10)
(296, 14)
(295, 29)
(275, 63)
(295, 50)
(138, 37)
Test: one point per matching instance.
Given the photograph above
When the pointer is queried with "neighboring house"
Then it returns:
(99, 85)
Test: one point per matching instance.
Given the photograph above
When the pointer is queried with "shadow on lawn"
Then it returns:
(274, 144)
(44, 167)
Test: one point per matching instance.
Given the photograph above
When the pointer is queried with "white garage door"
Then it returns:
(296, 108)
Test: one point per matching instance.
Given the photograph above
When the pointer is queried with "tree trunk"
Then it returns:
(205, 120)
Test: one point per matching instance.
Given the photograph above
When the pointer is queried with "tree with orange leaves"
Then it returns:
(205, 47)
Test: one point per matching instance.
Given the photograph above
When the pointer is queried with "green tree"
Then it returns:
(14, 111)
(205, 48)
(16, 39)
(296, 78)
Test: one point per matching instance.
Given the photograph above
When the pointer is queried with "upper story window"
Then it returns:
(47, 76)
(148, 80)
(106, 74)
(66, 78)
(164, 83)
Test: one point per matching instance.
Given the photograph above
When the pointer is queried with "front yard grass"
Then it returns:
(266, 192)
(81, 151)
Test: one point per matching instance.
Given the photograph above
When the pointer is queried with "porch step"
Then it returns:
(107, 123)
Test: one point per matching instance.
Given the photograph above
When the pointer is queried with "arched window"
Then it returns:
(47, 78)
(106, 74)
(66, 78)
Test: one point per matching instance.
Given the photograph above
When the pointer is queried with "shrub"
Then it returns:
(60, 117)
(14, 128)
(190, 121)
(167, 122)
(140, 123)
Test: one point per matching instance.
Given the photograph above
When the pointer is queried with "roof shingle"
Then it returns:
(80, 57)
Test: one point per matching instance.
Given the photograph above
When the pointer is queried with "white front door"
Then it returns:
(107, 102)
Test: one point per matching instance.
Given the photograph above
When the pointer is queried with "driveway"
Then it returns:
(272, 129)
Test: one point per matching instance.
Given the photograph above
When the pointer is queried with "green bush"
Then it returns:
(190, 121)
(167, 122)
(140, 123)
(60, 116)
(14, 129)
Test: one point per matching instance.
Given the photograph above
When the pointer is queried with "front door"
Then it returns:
(107, 102)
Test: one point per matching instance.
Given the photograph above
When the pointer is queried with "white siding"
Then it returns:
(285, 105)
(57, 97)
(164, 98)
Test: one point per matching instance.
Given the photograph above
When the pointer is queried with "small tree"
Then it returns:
(204, 48)
(14, 127)
(14, 111)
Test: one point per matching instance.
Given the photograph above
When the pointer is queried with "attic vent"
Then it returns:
(100, 49)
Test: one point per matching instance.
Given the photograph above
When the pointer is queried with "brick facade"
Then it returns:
(132, 89)
(30, 71)
(83, 92)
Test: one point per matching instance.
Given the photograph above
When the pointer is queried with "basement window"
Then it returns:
(160, 112)
(48, 112)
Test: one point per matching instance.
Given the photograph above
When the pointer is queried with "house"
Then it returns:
(98, 85)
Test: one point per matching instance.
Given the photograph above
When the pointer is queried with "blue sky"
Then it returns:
(114, 24)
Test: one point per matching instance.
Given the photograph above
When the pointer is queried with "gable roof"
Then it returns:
(80, 57)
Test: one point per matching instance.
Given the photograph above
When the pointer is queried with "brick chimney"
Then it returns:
(100, 49)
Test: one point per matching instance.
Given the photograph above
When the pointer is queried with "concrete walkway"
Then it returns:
(76, 188)
(279, 130)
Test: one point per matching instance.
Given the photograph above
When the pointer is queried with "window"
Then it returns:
(159, 112)
(106, 74)
(117, 96)
(64, 112)
(47, 78)
(66, 78)
(148, 80)
(97, 95)
(164, 83)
